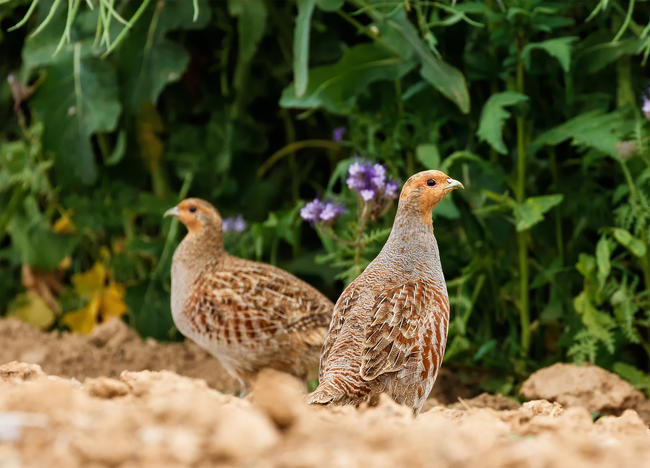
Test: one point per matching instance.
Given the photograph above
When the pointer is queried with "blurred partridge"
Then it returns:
(249, 315)
(389, 328)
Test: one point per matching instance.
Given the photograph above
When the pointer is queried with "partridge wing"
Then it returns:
(252, 303)
(343, 306)
(408, 320)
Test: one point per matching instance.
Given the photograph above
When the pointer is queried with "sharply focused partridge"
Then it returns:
(389, 327)
(249, 315)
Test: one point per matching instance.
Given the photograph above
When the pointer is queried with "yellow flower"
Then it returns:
(64, 225)
(105, 299)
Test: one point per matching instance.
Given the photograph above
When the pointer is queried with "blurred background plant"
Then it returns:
(114, 110)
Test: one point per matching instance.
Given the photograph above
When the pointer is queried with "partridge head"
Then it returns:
(389, 328)
(249, 315)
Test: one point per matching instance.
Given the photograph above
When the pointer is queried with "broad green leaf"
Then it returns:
(532, 210)
(595, 58)
(592, 129)
(494, 115)
(147, 61)
(428, 155)
(78, 98)
(602, 259)
(251, 22)
(633, 244)
(301, 45)
(445, 78)
(336, 87)
(37, 245)
(559, 47)
(329, 5)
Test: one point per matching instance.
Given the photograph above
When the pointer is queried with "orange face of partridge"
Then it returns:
(429, 188)
(194, 213)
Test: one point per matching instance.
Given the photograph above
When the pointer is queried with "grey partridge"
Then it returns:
(389, 328)
(247, 314)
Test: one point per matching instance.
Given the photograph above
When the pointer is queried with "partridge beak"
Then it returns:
(453, 184)
(171, 212)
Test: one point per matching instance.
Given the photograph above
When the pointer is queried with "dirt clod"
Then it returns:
(588, 386)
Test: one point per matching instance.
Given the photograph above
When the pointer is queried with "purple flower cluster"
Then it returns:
(371, 182)
(234, 224)
(324, 212)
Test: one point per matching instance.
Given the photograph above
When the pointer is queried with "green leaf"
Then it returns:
(301, 46)
(586, 265)
(336, 87)
(633, 244)
(428, 155)
(251, 23)
(598, 323)
(445, 78)
(329, 5)
(602, 259)
(636, 377)
(592, 129)
(36, 243)
(595, 58)
(493, 116)
(118, 152)
(532, 210)
(78, 98)
(147, 61)
(559, 47)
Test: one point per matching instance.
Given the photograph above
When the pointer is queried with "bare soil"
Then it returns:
(112, 399)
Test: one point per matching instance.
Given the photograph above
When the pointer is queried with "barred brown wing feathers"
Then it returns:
(253, 303)
(345, 303)
(400, 318)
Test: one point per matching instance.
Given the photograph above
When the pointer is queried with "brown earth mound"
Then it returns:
(111, 348)
(105, 400)
(587, 386)
(162, 419)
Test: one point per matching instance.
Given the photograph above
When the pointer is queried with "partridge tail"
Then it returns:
(325, 394)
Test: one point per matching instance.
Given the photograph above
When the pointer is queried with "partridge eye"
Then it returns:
(192, 209)
(431, 182)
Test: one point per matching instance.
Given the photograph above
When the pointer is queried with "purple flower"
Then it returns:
(646, 104)
(312, 210)
(391, 188)
(233, 224)
(331, 211)
(338, 133)
(370, 181)
(317, 211)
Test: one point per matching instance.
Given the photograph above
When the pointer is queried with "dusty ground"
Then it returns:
(159, 418)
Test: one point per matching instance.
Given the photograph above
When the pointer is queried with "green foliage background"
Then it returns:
(535, 105)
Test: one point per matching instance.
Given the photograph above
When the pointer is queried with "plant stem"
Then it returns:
(524, 307)
(645, 259)
(559, 238)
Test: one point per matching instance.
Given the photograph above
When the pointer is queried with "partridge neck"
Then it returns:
(411, 242)
(198, 248)
(410, 223)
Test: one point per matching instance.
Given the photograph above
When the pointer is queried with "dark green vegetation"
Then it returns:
(534, 105)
